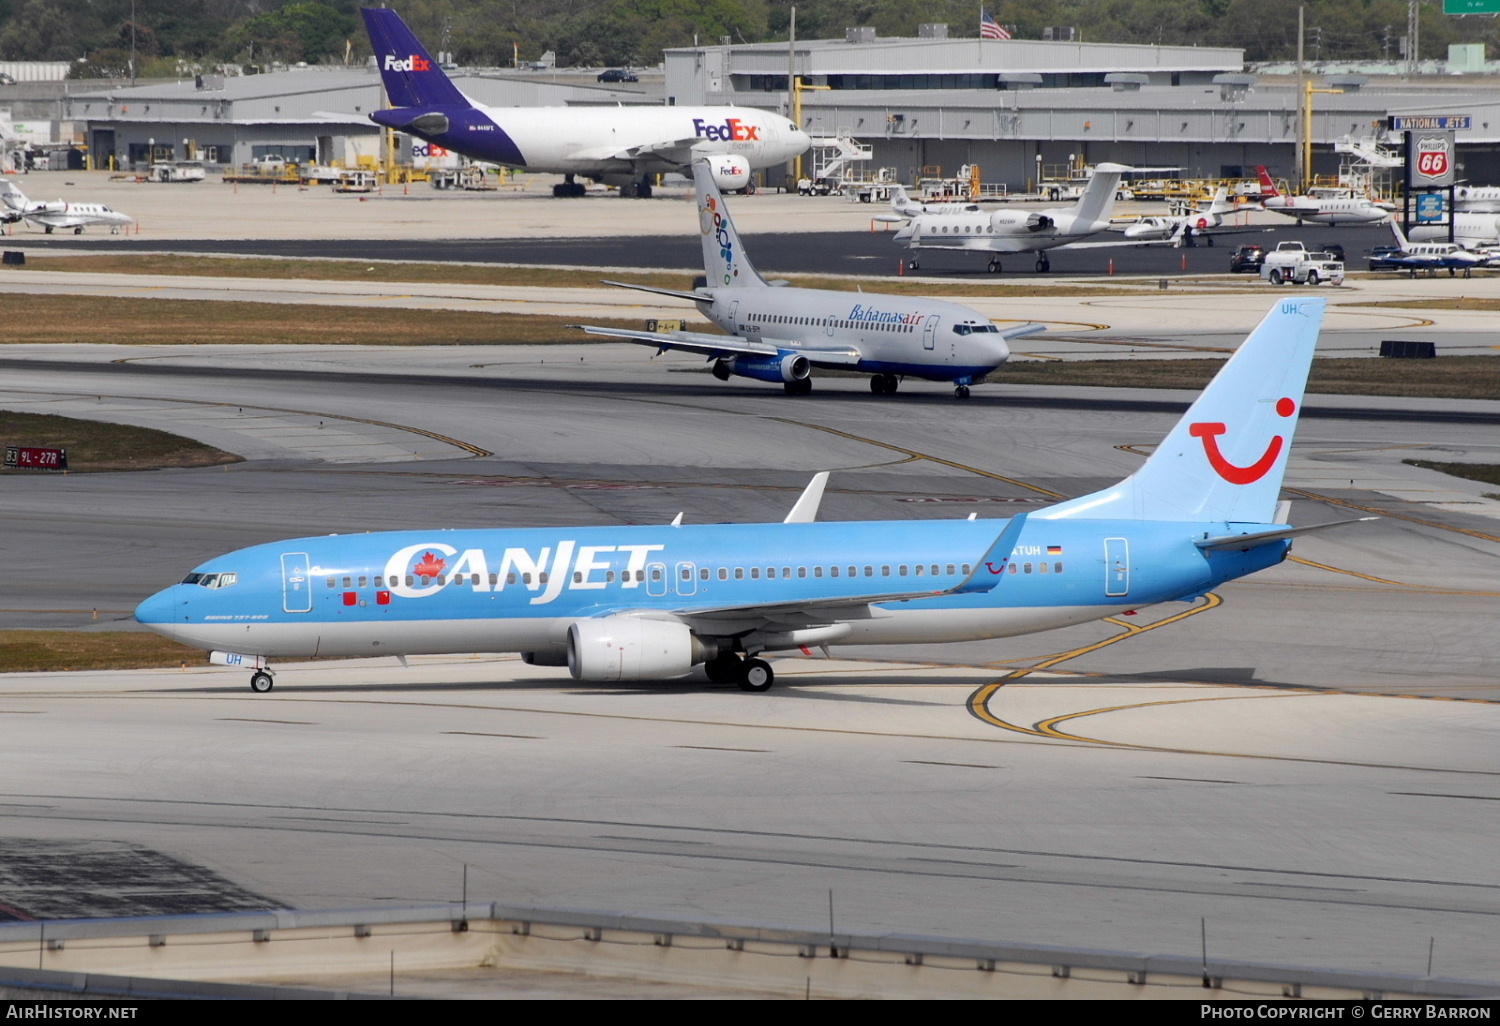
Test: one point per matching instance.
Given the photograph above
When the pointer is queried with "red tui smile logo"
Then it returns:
(1209, 432)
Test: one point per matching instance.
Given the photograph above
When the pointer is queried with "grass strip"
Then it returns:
(23, 651)
(133, 321)
(1446, 377)
(1489, 473)
(98, 446)
(547, 277)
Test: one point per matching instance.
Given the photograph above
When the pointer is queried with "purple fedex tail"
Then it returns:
(412, 78)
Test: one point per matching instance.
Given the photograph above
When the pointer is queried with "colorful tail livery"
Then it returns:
(616, 144)
(653, 602)
(1225, 459)
(412, 78)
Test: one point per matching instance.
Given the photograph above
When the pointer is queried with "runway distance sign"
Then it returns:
(35, 457)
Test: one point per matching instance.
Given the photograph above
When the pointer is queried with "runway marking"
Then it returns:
(913, 454)
(249, 719)
(1133, 343)
(473, 450)
(1430, 794)
(1395, 516)
(481, 733)
(1399, 584)
(721, 748)
(960, 765)
(978, 702)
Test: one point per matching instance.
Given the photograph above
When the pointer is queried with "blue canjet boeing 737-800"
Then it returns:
(780, 333)
(624, 146)
(651, 603)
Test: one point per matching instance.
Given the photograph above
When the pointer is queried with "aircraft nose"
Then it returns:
(799, 139)
(159, 612)
(997, 350)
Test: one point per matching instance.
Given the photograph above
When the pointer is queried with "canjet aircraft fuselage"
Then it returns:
(651, 603)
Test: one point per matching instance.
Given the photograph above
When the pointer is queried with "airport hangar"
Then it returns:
(1010, 106)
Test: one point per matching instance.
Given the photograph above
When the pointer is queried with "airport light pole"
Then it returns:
(1307, 107)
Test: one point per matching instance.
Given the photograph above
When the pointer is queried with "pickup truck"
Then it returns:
(1294, 262)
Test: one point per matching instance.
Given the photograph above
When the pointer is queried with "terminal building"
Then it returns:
(1011, 107)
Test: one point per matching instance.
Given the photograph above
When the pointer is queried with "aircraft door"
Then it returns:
(1116, 567)
(296, 583)
(734, 316)
(929, 332)
(687, 579)
(656, 579)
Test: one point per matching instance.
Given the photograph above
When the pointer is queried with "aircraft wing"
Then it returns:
(679, 150)
(984, 576)
(716, 346)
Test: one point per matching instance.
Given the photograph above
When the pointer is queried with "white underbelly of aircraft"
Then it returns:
(928, 626)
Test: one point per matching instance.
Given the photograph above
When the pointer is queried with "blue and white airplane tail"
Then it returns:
(725, 262)
(412, 78)
(1225, 459)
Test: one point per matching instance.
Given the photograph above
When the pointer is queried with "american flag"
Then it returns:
(989, 28)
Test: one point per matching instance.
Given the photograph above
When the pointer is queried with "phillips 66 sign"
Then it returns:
(1429, 159)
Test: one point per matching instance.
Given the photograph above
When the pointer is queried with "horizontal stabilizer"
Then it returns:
(692, 297)
(1253, 538)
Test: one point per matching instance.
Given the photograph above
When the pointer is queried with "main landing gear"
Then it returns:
(884, 384)
(802, 387)
(639, 189)
(261, 681)
(1043, 265)
(750, 674)
(994, 265)
(568, 188)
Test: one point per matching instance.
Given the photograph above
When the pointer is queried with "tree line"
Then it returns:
(172, 37)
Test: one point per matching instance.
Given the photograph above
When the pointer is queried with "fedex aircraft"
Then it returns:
(1320, 209)
(14, 206)
(622, 146)
(1016, 231)
(652, 602)
(780, 333)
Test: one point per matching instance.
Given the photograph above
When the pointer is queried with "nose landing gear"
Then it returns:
(261, 681)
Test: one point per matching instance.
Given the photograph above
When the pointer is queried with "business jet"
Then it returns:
(14, 206)
(779, 333)
(1320, 209)
(1477, 199)
(905, 207)
(624, 146)
(1434, 256)
(652, 602)
(1470, 230)
(1182, 229)
(1016, 231)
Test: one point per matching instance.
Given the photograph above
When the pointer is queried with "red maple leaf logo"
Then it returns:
(430, 566)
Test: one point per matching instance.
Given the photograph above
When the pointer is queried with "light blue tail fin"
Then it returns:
(1225, 459)
(725, 262)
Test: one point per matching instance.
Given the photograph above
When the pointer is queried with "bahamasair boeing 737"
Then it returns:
(780, 333)
(618, 145)
(651, 603)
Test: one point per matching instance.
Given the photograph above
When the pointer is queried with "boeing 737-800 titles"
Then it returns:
(651, 603)
(619, 145)
(780, 333)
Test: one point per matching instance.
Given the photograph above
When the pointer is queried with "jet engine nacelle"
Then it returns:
(781, 367)
(731, 172)
(1038, 222)
(629, 648)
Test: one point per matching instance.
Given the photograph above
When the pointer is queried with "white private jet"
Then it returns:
(1320, 209)
(624, 146)
(780, 333)
(1477, 199)
(1470, 230)
(1182, 229)
(14, 206)
(1016, 231)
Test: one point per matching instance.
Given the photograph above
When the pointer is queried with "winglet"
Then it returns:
(986, 573)
(806, 509)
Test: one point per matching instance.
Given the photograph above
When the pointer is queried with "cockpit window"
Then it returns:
(977, 329)
(211, 580)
